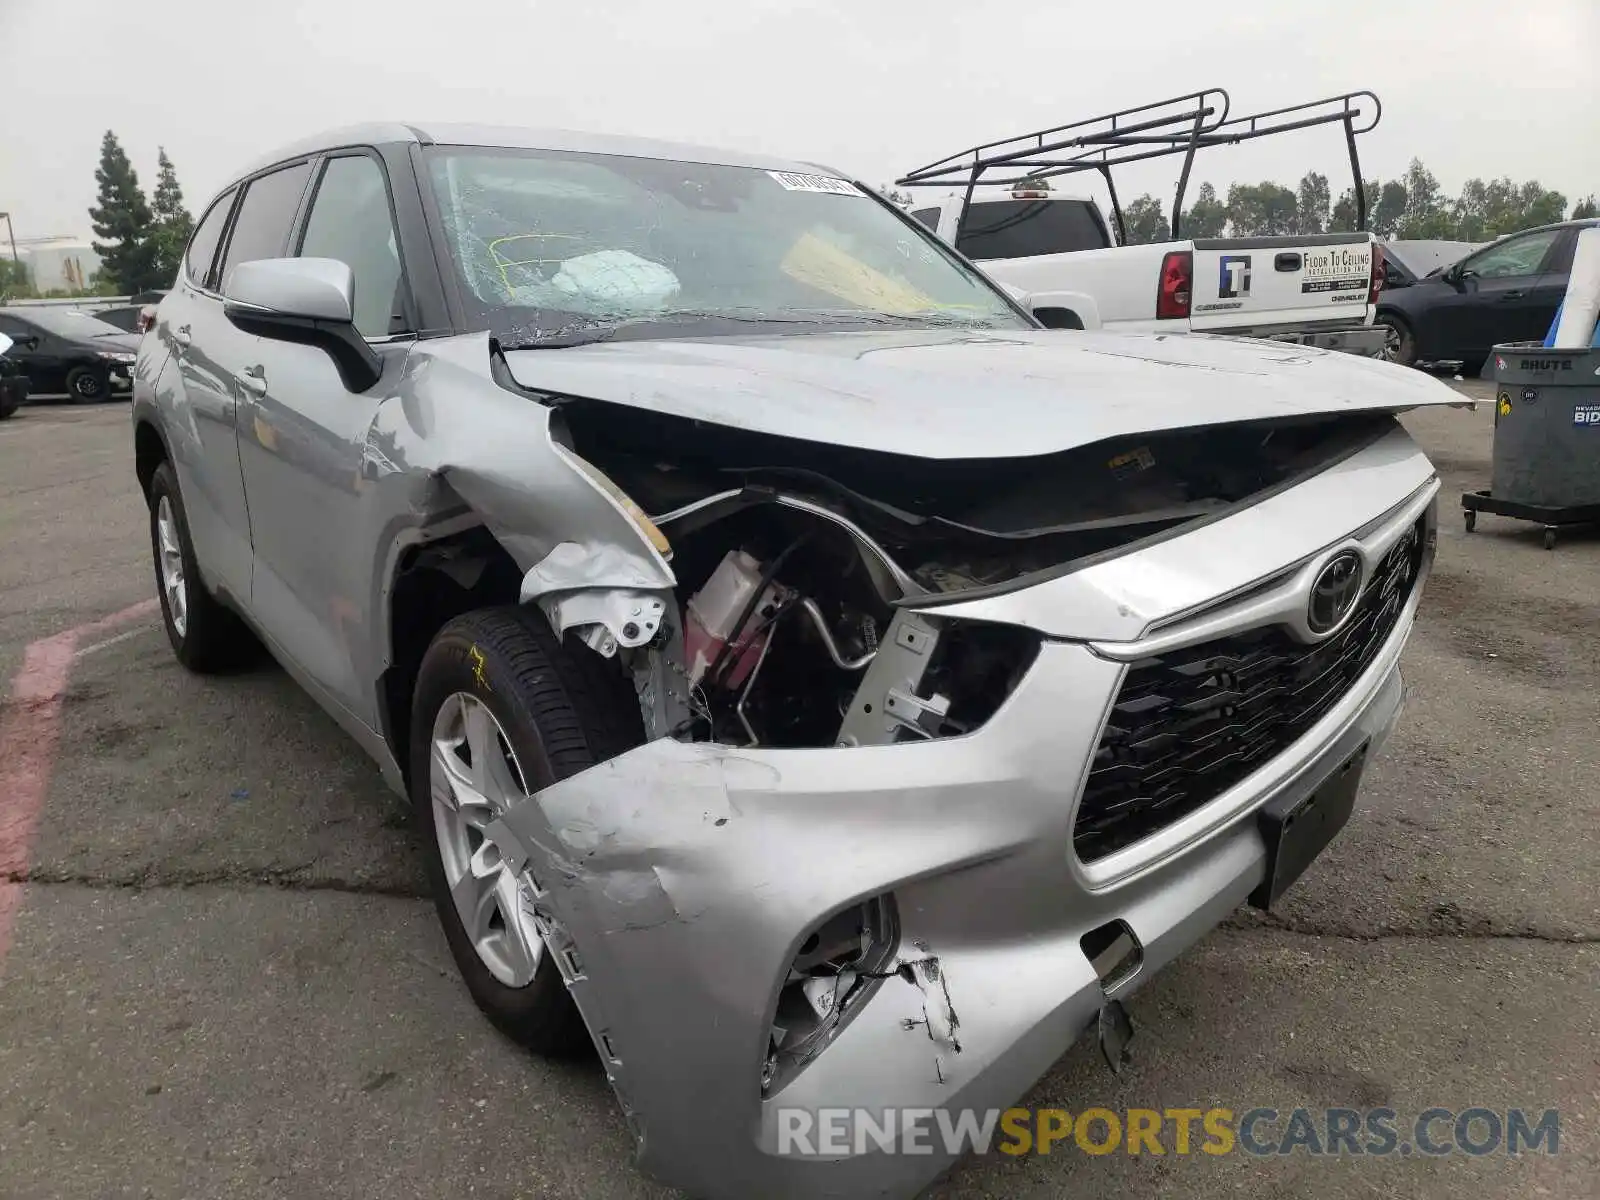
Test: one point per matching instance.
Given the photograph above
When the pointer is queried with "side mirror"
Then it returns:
(28, 341)
(305, 300)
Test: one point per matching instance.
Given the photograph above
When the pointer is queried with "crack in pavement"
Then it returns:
(1444, 924)
(284, 880)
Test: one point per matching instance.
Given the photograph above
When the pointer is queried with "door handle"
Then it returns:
(1517, 294)
(254, 380)
(180, 335)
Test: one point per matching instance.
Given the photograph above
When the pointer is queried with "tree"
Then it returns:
(1343, 217)
(1486, 210)
(1145, 221)
(1311, 204)
(14, 274)
(1207, 217)
(1425, 213)
(1386, 208)
(1586, 208)
(123, 219)
(1261, 209)
(173, 224)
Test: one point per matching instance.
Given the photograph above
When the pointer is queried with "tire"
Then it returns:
(1399, 344)
(88, 385)
(206, 637)
(7, 407)
(558, 710)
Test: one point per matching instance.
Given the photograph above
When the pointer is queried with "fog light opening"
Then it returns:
(1114, 953)
(837, 965)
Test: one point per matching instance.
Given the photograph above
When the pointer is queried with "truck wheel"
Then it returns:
(501, 710)
(206, 637)
(1399, 346)
(87, 384)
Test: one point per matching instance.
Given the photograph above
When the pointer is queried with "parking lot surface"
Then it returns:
(219, 976)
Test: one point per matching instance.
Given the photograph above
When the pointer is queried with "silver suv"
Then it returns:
(818, 685)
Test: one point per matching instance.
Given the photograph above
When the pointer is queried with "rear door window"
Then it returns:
(1021, 228)
(202, 252)
(261, 229)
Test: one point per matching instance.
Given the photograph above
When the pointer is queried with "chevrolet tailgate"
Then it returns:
(1263, 281)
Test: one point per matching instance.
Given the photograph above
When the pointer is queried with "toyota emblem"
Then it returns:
(1334, 594)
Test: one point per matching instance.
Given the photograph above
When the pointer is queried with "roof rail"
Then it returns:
(1179, 125)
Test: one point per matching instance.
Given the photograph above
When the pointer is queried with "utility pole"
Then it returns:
(12, 234)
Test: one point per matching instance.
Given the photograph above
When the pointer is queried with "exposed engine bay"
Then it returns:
(795, 560)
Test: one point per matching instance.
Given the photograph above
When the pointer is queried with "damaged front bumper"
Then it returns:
(680, 881)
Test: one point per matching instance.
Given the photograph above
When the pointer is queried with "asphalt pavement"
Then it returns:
(223, 979)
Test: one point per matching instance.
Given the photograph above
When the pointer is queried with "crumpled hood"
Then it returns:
(974, 394)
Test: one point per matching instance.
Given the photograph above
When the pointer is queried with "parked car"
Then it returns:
(66, 350)
(1508, 291)
(1405, 262)
(13, 383)
(785, 643)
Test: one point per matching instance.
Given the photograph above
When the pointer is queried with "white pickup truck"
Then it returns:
(1057, 254)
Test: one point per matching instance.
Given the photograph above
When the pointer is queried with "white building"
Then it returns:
(61, 264)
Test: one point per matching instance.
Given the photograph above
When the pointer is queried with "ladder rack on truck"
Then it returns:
(1180, 125)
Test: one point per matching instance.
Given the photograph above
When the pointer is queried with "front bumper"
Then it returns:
(686, 877)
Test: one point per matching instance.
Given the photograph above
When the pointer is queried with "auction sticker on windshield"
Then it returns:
(1336, 269)
(815, 183)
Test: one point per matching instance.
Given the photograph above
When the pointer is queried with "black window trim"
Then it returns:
(297, 231)
(203, 284)
(241, 188)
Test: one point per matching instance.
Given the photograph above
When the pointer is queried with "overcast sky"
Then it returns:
(873, 87)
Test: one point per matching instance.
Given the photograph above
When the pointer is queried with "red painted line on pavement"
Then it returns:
(30, 726)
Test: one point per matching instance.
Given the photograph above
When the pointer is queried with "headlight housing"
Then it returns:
(119, 356)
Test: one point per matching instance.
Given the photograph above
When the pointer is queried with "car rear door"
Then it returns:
(1303, 279)
(209, 353)
(304, 448)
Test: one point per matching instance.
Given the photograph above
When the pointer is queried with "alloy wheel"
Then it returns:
(474, 777)
(169, 553)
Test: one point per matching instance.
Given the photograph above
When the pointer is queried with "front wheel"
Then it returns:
(88, 384)
(501, 710)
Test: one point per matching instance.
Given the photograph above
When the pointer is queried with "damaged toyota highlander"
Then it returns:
(818, 686)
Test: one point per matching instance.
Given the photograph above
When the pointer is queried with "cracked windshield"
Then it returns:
(558, 247)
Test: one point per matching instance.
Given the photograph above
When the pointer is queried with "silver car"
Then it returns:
(819, 686)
